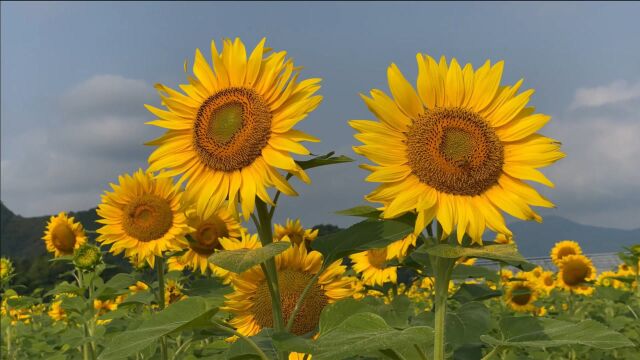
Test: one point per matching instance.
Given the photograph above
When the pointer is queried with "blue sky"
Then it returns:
(75, 77)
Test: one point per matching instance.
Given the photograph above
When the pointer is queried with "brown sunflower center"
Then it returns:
(231, 129)
(292, 283)
(548, 281)
(63, 238)
(207, 236)
(454, 150)
(521, 295)
(575, 272)
(147, 217)
(564, 251)
(377, 257)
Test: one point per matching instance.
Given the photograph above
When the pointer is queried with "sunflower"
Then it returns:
(564, 248)
(56, 312)
(575, 272)
(6, 269)
(63, 235)
(372, 265)
(206, 237)
(546, 281)
(102, 307)
(625, 270)
(457, 150)
(606, 279)
(533, 275)
(232, 129)
(295, 232)
(138, 287)
(251, 303)
(466, 261)
(173, 292)
(520, 296)
(503, 239)
(143, 217)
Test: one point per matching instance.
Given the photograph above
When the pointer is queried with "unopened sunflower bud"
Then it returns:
(87, 256)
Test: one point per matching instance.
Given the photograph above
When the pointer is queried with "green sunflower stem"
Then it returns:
(443, 268)
(269, 267)
(160, 268)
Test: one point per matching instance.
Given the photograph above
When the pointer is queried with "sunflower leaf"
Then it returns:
(361, 211)
(507, 253)
(190, 313)
(359, 334)
(367, 234)
(545, 332)
(241, 260)
(322, 160)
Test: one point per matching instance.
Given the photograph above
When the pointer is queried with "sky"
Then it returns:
(75, 77)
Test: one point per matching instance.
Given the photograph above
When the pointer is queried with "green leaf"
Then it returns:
(117, 285)
(240, 350)
(212, 289)
(361, 211)
(64, 287)
(467, 323)
(462, 272)
(140, 297)
(190, 313)
(544, 332)
(367, 234)
(323, 160)
(357, 335)
(507, 253)
(241, 260)
(334, 314)
(474, 292)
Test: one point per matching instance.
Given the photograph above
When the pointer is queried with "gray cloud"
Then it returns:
(616, 92)
(67, 164)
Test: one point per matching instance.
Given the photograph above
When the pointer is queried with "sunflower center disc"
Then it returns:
(377, 257)
(521, 295)
(206, 237)
(454, 151)
(63, 238)
(292, 283)
(548, 281)
(575, 273)
(147, 218)
(231, 129)
(565, 251)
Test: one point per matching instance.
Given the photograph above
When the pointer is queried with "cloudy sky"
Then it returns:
(75, 77)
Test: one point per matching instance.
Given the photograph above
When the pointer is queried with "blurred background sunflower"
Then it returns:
(63, 235)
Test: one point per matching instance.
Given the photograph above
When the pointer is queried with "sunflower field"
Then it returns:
(215, 278)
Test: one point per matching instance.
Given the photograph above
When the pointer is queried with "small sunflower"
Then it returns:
(458, 149)
(138, 286)
(206, 237)
(251, 303)
(56, 312)
(102, 307)
(231, 131)
(546, 281)
(372, 265)
(173, 292)
(295, 232)
(143, 216)
(624, 270)
(575, 272)
(533, 275)
(564, 248)
(466, 261)
(606, 279)
(505, 275)
(521, 295)
(6, 269)
(63, 235)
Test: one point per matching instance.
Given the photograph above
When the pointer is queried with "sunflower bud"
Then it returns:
(87, 257)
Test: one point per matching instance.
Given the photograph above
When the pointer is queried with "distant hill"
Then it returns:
(536, 239)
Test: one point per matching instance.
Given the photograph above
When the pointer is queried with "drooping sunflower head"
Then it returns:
(143, 217)
(233, 126)
(575, 273)
(295, 232)
(458, 149)
(251, 304)
(205, 239)
(63, 235)
(521, 295)
(564, 248)
(6, 269)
